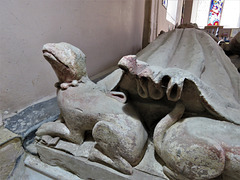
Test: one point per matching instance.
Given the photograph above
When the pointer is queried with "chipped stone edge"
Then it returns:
(91, 169)
(56, 172)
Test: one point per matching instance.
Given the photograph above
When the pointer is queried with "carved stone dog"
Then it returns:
(119, 134)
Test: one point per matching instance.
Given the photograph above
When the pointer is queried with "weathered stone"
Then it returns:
(36, 169)
(49, 141)
(151, 163)
(198, 79)
(182, 88)
(75, 149)
(86, 169)
(33, 116)
(119, 134)
(185, 65)
(10, 150)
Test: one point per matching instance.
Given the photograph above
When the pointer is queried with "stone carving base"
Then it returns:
(34, 168)
(73, 158)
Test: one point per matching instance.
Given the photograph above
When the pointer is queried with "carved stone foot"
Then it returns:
(117, 163)
(150, 82)
(58, 129)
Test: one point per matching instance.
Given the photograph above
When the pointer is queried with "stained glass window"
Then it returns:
(215, 12)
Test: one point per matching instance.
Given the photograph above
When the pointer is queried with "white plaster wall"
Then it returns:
(105, 30)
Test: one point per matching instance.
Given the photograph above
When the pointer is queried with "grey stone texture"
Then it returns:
(174, 104)
(30, 118)
(86, 169)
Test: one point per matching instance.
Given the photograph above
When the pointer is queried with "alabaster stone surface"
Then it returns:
(73, 158)
(116, 128)
(181, 92)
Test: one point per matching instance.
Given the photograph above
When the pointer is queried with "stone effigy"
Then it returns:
(119, 134)
(181, 91)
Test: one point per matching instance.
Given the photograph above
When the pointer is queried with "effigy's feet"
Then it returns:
(117, 162)
(58, 129)
(153, 82)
